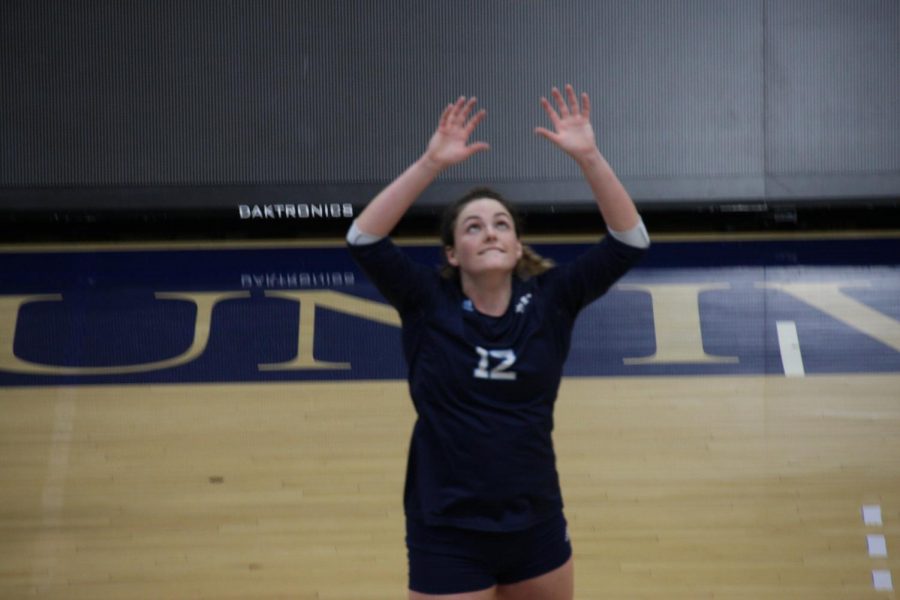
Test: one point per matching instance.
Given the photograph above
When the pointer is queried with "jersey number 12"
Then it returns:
(506, 358)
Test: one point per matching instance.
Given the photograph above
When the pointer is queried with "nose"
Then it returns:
(490, 232)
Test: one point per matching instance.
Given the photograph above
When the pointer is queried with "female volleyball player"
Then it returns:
(485, 344)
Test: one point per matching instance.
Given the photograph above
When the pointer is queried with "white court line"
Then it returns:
(882, 580)
(871, 514)
(789, 344)
(877, 545)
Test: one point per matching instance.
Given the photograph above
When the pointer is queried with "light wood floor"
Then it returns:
(689, 487)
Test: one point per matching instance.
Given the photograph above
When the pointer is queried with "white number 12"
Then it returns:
(506, 357)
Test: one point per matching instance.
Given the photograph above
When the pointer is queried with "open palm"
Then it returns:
(450, 143)
(572, 130)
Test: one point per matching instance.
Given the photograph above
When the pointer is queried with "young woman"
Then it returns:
(485, 342)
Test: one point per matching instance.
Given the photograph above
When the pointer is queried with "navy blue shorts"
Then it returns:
(447, 560)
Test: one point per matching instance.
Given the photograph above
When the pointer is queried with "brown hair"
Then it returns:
(530, 264)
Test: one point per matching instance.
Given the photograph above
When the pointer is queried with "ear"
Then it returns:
(519, 250)
(450, 253)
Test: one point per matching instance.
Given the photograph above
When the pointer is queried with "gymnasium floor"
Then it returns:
(231, 421)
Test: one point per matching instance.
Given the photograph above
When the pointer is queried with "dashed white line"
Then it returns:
(881, 579)
(871, 514)
(877, 545)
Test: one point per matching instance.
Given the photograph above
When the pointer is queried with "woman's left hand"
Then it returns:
(572, 133)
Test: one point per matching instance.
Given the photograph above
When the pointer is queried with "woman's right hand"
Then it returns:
(450, 143)
(448, 146)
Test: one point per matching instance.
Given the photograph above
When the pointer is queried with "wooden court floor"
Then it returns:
(679, 483)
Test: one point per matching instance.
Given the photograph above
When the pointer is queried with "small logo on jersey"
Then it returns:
(523, 302)
(468, 306)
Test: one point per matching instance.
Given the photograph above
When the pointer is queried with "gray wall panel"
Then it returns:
(833, 96)
(694, 100)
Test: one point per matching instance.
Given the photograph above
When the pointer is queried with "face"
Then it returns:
(485, 239)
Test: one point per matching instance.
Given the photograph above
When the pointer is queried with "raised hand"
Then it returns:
(448, 146)
(450, 143)
(572, 131)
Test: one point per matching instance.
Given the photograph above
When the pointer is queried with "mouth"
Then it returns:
(486, 250)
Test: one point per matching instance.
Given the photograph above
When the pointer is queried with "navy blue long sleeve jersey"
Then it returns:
(481, 455)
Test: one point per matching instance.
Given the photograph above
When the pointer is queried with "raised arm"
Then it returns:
(449, 145)
(573, 134)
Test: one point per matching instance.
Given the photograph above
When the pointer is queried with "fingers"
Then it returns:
(456, 114)
(546, 134)
(455, 109)
(461, 111)
(451, 113)
(445, 116)
(573, 101)
(560, 102)
(476, 147)
(548, 108)
(568, 105)
(449, 145)
(473, 123)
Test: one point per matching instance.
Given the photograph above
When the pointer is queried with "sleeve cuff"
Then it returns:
(355, 237)
(637, 236)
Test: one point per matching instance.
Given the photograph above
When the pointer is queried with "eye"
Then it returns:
(504, 225)
(473, 228)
